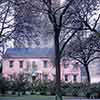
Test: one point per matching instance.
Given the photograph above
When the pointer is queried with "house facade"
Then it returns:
(94, 69)
(38, 63)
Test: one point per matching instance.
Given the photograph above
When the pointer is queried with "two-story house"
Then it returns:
(38, 62)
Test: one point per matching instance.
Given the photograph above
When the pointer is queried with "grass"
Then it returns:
(33, 97)
(27, 97)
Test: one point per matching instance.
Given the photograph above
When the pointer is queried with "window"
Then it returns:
(75, 65)
(34, 66)
(66, 77)
(45, 77)
(74, 78)
(27, 65)
(21, 64)
(65, 63)
(45, 63)
(11, 64)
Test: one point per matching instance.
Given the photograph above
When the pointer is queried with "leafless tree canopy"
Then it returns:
(84, 49)
(6, 22)
(35, 17)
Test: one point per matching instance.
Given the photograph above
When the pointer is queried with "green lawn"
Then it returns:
(32, 97)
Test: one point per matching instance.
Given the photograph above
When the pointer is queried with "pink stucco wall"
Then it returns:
(41, 70)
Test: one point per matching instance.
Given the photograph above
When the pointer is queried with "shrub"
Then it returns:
(19, 83)
(94, 91)
(4, 85)
(70, 89)
(51, 87)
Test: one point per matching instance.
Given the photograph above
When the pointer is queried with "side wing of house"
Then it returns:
(70, 71)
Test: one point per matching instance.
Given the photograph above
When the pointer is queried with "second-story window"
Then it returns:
(11, 63)
(45, 63)
(27, 65)
(75, 65)
(21, 64)
(65, 63)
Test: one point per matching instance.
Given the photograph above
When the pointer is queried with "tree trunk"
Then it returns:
(88, 73)
(57, 66)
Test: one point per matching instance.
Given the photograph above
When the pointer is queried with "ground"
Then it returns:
(37, 97)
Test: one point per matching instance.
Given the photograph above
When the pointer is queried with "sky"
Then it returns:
(62, 1)
(10, 43)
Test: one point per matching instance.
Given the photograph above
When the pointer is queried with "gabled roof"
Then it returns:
(28, 52)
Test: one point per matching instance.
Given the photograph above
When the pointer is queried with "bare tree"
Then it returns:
(88, 14)
(83, 49)
(6, 23)
(58, 18)
(26, 22)
(65, 21)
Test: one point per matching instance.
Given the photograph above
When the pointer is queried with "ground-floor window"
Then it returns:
(74, 78)
(45, 77)
(66, 77)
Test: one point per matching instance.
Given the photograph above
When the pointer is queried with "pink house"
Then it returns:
(38, 62)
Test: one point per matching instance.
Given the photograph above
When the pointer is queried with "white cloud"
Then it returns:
(62, 1)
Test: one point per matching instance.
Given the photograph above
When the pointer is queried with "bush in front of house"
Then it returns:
(93, 91)
(19, 84)
(49, 88)
(71, 89)
(4, 85)
(43, 87)
(89, 90)
(67, 89)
